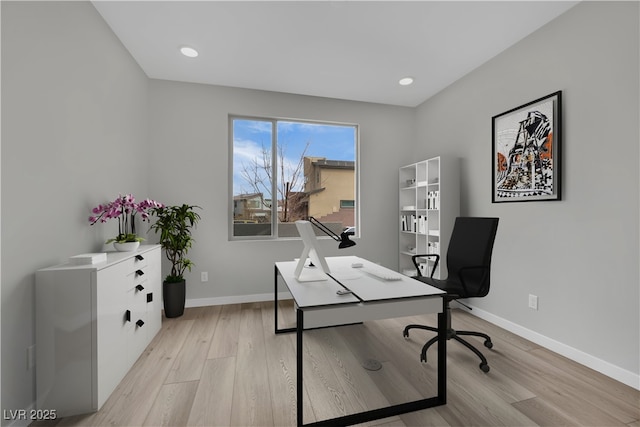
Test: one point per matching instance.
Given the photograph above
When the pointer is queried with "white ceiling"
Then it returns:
(355, 50)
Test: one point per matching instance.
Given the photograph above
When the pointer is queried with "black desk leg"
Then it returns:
(275, 297)
(362, 417)
(277, 330)
(299, 353)
(442, 354)
(380, 413)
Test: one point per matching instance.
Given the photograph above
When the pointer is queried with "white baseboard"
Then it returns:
(626, 377)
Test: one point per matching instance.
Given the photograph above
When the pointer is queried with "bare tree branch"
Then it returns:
(258, 174)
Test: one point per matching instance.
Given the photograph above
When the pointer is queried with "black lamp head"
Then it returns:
(343, 239)
(345, 242)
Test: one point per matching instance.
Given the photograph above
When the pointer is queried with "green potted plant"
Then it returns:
(174, 223)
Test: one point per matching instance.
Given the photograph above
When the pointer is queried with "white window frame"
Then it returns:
(274, 183)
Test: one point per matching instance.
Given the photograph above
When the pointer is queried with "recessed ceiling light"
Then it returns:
(406, 81)
(189, 51)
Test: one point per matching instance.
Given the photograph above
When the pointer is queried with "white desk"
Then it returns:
(318, 305)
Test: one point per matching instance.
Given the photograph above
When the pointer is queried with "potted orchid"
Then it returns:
(124, 209)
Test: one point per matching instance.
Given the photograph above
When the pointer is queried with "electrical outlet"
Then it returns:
(204, 276)
(533, 302)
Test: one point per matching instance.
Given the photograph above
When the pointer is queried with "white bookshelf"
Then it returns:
(429, 202)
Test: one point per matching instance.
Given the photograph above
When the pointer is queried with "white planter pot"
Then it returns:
(126, 246)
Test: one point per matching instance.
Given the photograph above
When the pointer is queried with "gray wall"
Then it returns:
(82, 123)
(190, 157)
(74, 132)
(579, 255)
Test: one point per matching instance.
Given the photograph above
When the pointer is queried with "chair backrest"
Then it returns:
(469, 254)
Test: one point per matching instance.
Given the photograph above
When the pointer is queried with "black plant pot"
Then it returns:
(173, 295)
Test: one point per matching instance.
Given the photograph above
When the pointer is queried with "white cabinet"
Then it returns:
(429, 204)
(92, 324)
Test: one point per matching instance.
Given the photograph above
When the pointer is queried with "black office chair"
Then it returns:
(469, 266)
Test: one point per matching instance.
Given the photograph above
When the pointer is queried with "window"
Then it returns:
(286, 170)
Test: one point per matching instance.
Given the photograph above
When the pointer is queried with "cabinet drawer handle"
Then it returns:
(139, 273)
(140, 287)
(150, 297)
(140, 323)
(127, 315)
(139, 257)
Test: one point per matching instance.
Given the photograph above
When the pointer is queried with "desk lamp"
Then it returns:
(343, 239)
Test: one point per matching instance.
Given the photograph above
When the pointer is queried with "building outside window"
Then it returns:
(286, 170)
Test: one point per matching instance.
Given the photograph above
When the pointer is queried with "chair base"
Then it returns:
(453, 334)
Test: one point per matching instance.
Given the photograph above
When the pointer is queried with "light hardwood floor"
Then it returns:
(223, 365)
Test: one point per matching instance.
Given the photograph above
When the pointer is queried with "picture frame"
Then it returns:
(526, 152)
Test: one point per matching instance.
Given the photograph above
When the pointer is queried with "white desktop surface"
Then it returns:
(312, 294)
(366, 287)
(371, 288)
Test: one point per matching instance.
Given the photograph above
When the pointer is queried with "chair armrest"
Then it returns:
(435, 264)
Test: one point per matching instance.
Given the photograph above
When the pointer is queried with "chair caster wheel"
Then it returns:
(423, 360)
(488, 344)
(405, 335)
(484, 367)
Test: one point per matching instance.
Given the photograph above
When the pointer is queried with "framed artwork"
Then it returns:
(526, 152)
